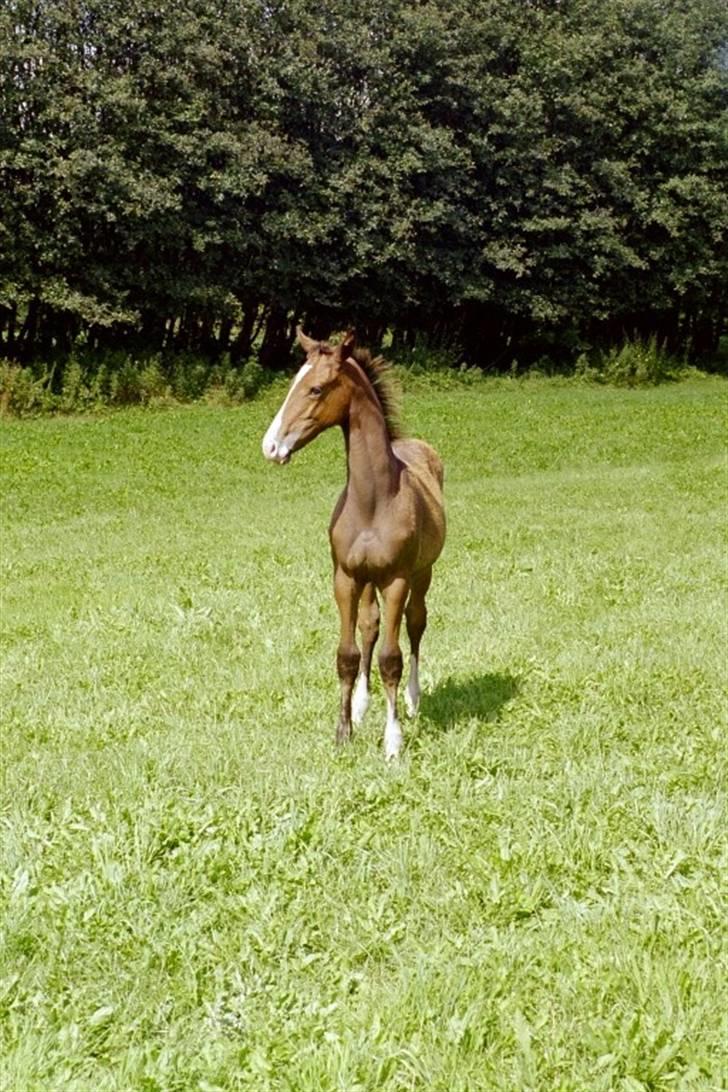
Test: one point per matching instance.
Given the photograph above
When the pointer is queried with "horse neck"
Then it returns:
(372, 464)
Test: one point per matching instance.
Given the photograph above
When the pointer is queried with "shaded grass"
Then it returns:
(200, 893)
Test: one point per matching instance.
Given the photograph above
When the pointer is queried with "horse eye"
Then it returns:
(315, 391)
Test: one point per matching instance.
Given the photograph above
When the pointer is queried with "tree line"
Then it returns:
(509, 179)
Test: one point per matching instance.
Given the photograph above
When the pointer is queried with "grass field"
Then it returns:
(200, 893)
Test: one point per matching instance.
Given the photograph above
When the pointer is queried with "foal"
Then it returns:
(388, 526)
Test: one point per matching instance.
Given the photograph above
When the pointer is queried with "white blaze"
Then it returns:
(273, 443)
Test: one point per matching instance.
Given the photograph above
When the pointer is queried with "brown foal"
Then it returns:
(388, 526)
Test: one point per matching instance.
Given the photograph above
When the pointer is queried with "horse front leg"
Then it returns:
(348, 593)
(390, 661)
(369, 630)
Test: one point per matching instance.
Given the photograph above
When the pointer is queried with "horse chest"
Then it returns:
(366, 552)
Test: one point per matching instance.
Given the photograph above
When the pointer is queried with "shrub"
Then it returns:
(22, 393)
(126, 387)
(153, 385)
(635, 363)
(75, 394)
(189, 378)
(100, 384)
(229, 386)
(252, 378)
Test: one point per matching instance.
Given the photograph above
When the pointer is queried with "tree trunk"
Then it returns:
(275, 352)
(243, 343)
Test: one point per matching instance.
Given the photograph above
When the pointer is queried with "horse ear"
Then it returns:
(346, 345)
(306, 343)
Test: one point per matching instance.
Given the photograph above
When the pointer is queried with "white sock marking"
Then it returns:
(392, 732)
(412, 691)
(360, 700)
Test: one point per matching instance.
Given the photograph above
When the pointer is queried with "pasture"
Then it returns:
(200, 893)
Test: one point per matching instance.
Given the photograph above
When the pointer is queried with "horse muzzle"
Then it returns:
(276, 451)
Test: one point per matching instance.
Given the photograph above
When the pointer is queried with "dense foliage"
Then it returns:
(501, 178)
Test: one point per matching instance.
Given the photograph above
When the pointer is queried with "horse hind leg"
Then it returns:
(369, 630)
(347, 593)
(416, 615)
(390, 661)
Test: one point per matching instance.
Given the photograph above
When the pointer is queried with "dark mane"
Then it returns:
(377, 371)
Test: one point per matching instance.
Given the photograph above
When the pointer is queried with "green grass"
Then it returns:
(200, 893)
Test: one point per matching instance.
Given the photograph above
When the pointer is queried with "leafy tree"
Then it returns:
(507, 179)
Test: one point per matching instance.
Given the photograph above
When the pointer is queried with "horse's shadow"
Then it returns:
(476, 696)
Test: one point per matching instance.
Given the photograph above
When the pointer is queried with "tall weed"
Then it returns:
(75, 393)
(23, 393)
(91, 381)
(636, 362)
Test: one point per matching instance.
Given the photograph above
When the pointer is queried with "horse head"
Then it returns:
(317, 398)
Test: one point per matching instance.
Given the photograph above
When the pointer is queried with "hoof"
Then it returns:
(412, 702)
(392, 742)
(343, 734)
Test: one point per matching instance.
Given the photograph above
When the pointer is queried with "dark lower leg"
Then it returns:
(347, 665)
(416, 623)
(347, 593)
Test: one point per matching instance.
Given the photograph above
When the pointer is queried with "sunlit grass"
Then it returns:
(200, 893)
